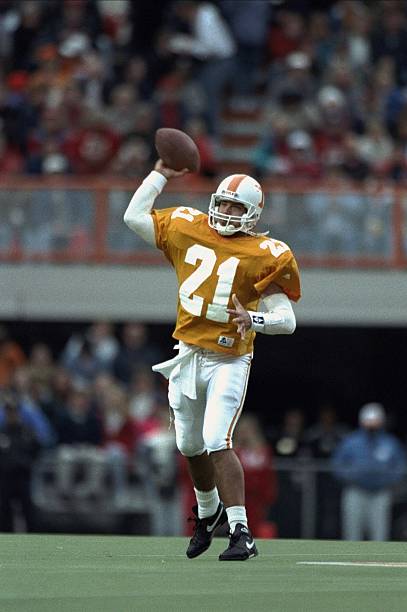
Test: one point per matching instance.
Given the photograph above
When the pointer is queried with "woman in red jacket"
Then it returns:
(260, 477)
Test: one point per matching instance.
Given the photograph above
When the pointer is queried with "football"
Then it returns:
(177, 149)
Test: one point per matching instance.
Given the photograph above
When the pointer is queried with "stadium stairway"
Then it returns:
(240, 132)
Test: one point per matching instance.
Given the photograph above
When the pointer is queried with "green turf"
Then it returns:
(60, 573)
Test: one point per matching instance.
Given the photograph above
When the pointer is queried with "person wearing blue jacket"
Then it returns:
(24, 432)
(369, 462)
(33, 417)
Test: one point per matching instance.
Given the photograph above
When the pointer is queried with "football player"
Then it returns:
(224, 270)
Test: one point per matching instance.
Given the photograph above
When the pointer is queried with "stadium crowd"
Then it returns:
(85, 83)
(96, 419)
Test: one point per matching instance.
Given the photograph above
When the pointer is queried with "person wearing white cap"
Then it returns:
(370, 462)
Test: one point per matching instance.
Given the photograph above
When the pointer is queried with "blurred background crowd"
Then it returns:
(318, 88)
(86, 443)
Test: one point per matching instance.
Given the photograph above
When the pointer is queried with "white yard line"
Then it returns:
(356, 563)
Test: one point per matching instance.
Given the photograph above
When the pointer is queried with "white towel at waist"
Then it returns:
(187, 359)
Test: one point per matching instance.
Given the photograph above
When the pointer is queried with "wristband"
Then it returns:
(263, 322)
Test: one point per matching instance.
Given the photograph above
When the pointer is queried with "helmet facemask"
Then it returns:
(234, 223)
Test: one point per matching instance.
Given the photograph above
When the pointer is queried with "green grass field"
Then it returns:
(65, 573)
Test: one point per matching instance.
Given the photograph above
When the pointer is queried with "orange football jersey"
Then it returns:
(211, 267)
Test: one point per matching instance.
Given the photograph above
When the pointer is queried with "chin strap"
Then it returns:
(279, 317)
(257, 233)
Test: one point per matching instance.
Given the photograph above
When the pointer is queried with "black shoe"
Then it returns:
(241, 545)
(204, 530)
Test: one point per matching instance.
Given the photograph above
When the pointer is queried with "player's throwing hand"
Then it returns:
(242, 317)
(169, 172)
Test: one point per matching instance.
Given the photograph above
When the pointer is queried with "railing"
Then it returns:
(308, 502)
(68, 220)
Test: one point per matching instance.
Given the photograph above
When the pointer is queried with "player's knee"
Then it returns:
(214, 443)
(189, 447)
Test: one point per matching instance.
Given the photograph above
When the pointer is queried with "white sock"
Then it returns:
(208, 502)
(236, 514)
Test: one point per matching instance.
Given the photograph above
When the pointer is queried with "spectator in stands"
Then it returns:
(320, 441)
(341, 78)
(209, 42)
(260, 477)
(169, 100)
(132, 159)
(30, 408)
(47, 141)
(11, 357)
(389, 38)
(293, 110)
(41, 371)
(136, 351)
(157, 464)
(120, 437)
(323, 437)
(369, 462)
(322, 40)
(48, 159)
(91, 80)
(19, 447)
(268, 156)
(395, 166)
(355, 45)
(11, 159)
(136, 75)
(287, 440)
(61, 386)
(160, 60)
(84, 365)
(80, 437)
(143, 398)
(26, 36)
(335, 124)
(287, 443)
(286, 35)
(122, 110)
(382, 96)
(90, 148)
(74, 102)
(196, 128)
(102, 344)
(144, 125)
(294, 75)
(300, 160)
(353, 165)
(374, 146)
(249, 21)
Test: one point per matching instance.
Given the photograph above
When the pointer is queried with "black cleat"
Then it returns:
(204, 530)
(241, 545)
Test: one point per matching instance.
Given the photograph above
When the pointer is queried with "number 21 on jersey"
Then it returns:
(226, 272)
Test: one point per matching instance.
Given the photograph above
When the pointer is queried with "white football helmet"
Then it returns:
(241, 189)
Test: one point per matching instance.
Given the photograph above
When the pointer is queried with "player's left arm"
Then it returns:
(278, 318)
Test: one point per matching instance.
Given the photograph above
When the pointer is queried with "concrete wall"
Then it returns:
(42, 292)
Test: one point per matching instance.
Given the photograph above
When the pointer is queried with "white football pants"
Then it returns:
(207, 422)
